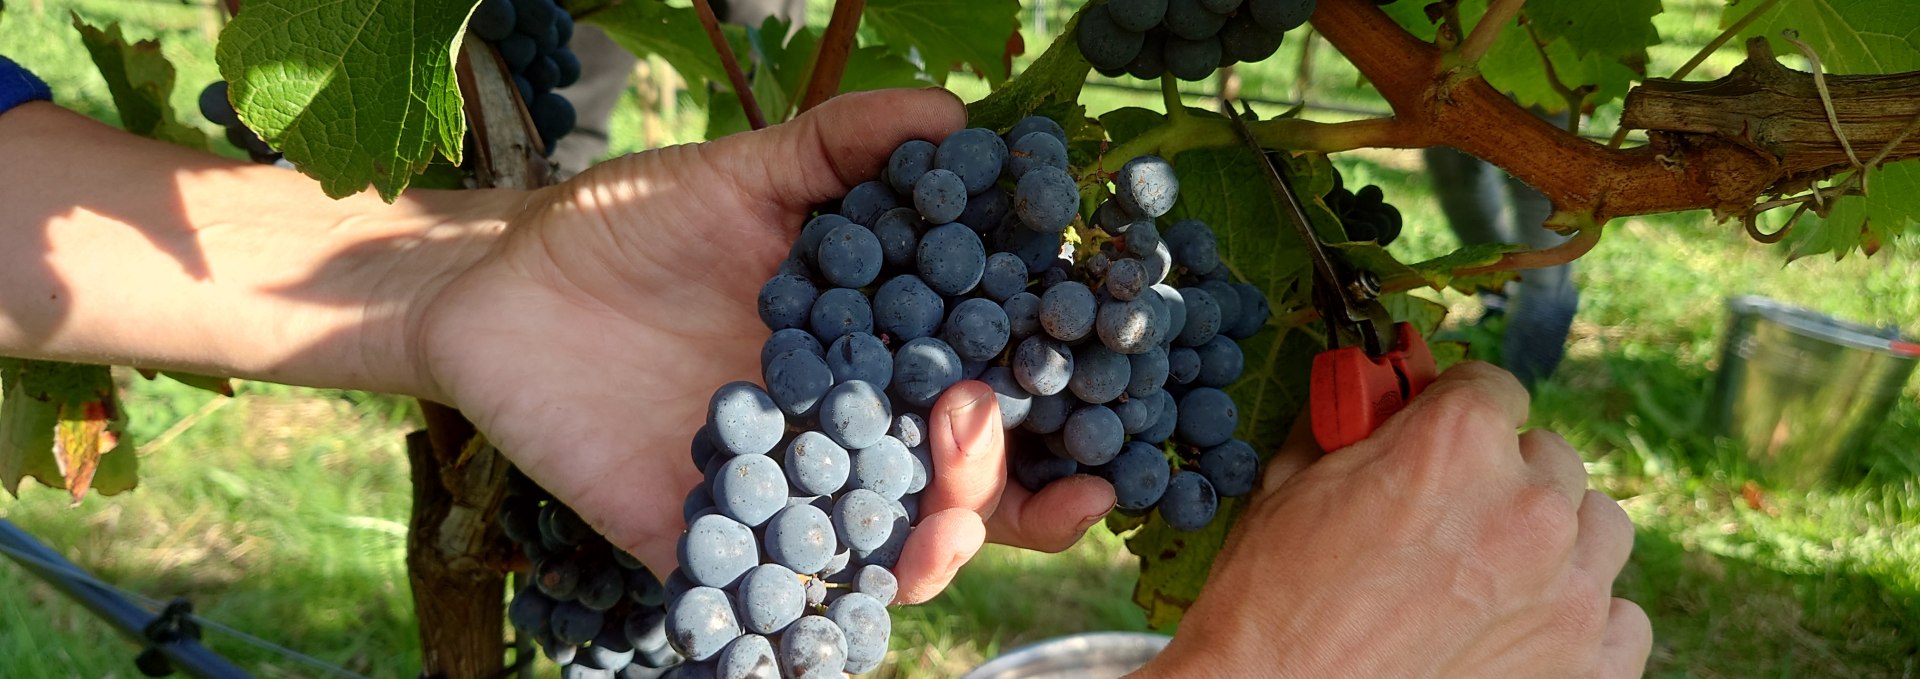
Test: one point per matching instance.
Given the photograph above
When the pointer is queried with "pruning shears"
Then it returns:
(1373, 365)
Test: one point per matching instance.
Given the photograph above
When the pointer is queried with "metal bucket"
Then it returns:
(1804, 392)
(1094, 655)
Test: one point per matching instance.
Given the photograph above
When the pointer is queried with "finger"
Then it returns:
(1476, 390)
(1552, 462)
(1629, 640)
(969, 451)
(1052, 519)
(1299, 451)
(935, 551)
(820, 155)
(1605, 537)
(1465, 423)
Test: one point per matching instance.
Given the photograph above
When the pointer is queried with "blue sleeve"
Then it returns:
(19, 86)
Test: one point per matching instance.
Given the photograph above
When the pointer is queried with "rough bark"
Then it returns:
(452, 554)
(1779, 111)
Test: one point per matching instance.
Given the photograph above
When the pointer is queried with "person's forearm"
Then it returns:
(121, 250)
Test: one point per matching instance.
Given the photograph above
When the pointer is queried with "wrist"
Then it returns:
(429, 240)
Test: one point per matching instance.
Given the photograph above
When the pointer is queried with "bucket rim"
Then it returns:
(1812, 323)
(1017, 658)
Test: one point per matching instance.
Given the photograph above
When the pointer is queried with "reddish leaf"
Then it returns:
(82, 435)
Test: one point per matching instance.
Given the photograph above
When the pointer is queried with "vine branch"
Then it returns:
(727, 59)
(1700, 57)
(836, 46)
(1761, 131)
(1574, 248)
(1192, 132)
(1488, 30)
(1687, 163)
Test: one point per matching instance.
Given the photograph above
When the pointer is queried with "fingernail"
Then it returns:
(1088, 522)
(970, 422)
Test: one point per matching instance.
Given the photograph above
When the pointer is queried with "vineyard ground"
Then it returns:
(282, 512)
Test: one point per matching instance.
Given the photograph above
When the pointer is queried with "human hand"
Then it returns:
(1445, 545)
(586, 343)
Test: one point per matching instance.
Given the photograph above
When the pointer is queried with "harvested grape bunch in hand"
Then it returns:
(952, 266)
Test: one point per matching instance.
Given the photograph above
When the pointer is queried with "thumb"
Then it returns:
(969, 451)
(824, 152)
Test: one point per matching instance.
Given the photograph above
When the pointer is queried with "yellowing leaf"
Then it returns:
(58, 422)
(79, 439)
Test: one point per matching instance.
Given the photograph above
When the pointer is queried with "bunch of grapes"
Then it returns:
(1188, 38)
(532, 37)
(1365, 213)
(1139, 401)
(215, 107)
(594, 609)
(950, 267)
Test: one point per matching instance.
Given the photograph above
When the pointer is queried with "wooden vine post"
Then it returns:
(456, 555)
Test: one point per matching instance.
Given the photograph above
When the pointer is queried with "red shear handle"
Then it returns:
(1354, 393)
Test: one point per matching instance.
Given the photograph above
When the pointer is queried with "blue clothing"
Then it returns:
(18, 86)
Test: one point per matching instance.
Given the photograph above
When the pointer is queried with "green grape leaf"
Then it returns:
(1447, 353)
(58, 424)
(140, 79)
(672, 33)
(868, 68)
(1513, 63)
(1866, 222)
(1850, 37)
(1439, 270)
(1426, 315)
(1126, 123)
(1049, 86)
(949, 32)
(1514, 67)
(441, 174)
(1369, 256)
(1615, 28)
(354, 93)
(724, 115)
(26, 436)
(1226, 188)
(877, 68)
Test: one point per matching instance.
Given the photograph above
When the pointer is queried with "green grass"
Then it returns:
(281, 512)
